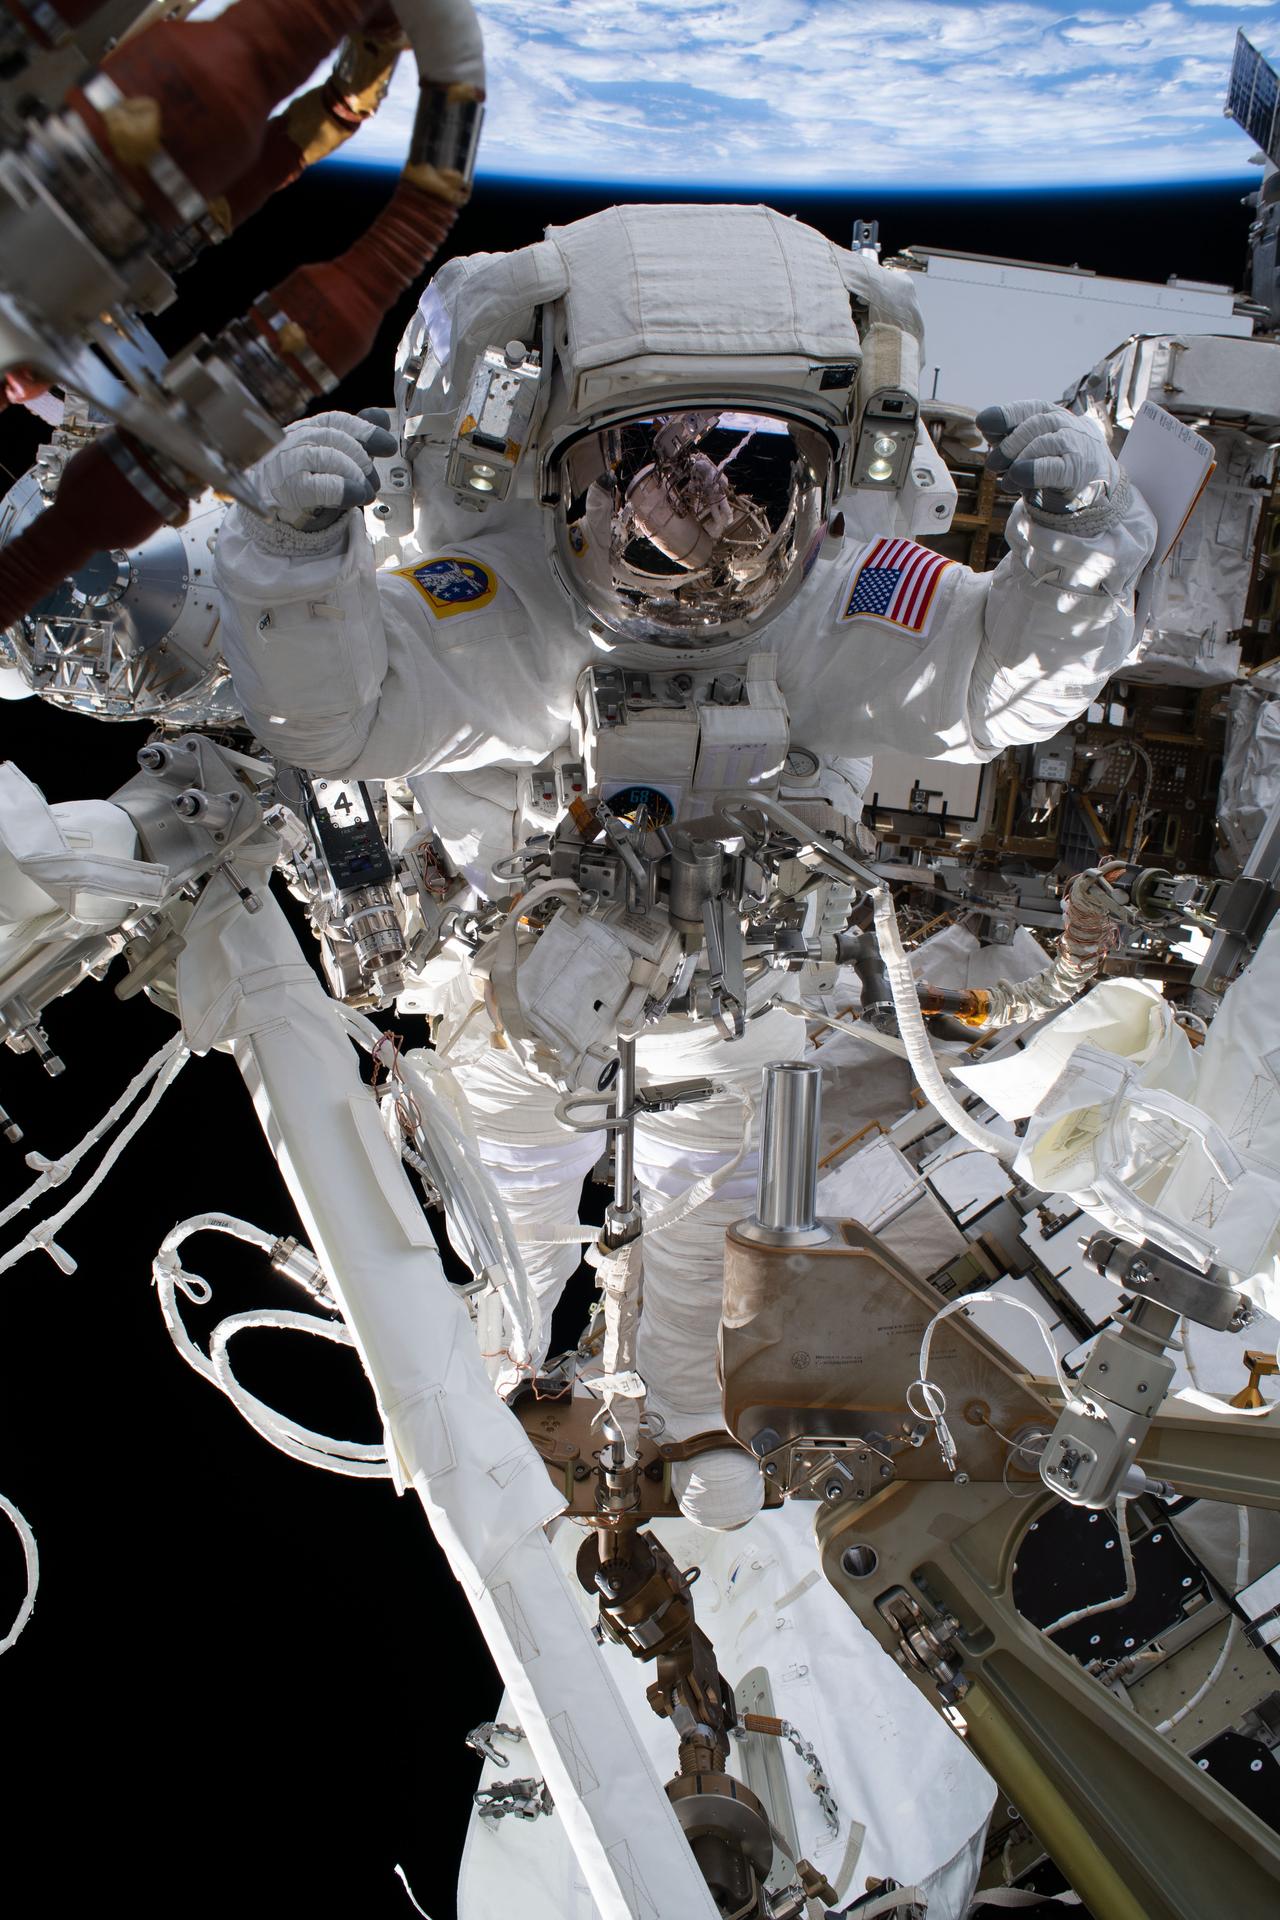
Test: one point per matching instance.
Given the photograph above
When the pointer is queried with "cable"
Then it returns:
(915, 1039)
(1027, 1452)
(193, 1284)
(1130, 1576)
(859, 1030)
(1215, 1672)
(403, 1878)
(32, 1558)
(355, 1458)
(1091, 911)
(1140, 817)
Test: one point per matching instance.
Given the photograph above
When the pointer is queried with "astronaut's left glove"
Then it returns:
(1058, 461)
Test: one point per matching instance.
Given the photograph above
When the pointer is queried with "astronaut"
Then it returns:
(667, 473)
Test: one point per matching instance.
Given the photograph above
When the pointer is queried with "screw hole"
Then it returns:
(859, 1562)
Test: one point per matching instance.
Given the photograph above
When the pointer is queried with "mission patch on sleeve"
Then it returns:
(452, 585)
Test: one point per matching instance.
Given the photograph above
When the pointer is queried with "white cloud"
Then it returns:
(837, 93)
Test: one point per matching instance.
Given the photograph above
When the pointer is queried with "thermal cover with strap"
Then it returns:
(1151, 1138)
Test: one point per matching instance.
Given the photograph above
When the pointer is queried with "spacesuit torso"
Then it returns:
(466, 660)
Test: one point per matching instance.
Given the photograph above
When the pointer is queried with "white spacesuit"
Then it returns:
(683, 442)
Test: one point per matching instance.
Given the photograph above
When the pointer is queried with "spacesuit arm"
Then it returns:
(1057, 620)
(1002, 658)
(350, 672)
(303, 635)
(341, 670)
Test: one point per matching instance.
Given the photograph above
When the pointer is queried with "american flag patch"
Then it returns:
(896, 580)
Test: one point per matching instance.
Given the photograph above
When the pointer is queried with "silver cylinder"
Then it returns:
(788, 1181)
(697, 870)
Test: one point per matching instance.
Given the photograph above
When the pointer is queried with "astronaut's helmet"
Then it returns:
(679, 393)
(693, 525)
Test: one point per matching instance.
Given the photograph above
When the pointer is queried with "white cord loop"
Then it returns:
(355, 1458)
(32, 1558)
(935, 1400)
(163, 1069)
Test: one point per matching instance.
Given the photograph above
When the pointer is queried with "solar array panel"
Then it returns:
(1253, 94)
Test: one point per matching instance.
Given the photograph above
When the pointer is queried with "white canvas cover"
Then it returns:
(666, 280)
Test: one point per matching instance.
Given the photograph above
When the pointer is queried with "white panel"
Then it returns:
(1003, 332)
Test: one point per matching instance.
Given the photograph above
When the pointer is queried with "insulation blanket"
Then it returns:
(775, 1624)
(243, 981)
(1152, 1137)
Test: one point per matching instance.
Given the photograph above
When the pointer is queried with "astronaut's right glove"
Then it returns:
(1058, 461)
(321, 470)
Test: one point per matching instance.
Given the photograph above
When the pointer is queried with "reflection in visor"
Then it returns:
(693, 525)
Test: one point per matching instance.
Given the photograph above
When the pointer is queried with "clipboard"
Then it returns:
(1169, 463)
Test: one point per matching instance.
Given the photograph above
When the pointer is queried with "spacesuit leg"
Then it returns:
(537, 1164)
(684, 1263)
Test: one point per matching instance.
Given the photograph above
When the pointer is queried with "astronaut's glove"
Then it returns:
(1058, 461)
(321, 470)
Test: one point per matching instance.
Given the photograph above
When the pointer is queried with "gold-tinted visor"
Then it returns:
(691, 527)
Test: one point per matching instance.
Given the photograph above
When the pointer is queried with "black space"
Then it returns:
(245, 1685)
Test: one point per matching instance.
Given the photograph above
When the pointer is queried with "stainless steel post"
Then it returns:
(787, 1185)
(622, 1216)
